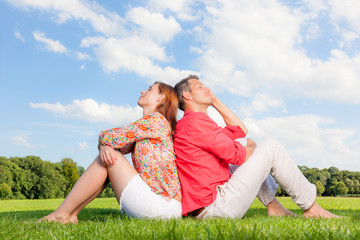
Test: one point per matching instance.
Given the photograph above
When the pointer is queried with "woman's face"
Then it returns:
(150, 97)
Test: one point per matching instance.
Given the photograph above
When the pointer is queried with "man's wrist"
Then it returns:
(216, 102)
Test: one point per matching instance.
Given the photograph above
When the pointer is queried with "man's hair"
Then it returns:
(184, 86)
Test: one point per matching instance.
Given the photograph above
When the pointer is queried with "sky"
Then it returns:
(289, 69)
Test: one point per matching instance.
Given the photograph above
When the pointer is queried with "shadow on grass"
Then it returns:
(91, 214)
(104, 214)
(348, 214)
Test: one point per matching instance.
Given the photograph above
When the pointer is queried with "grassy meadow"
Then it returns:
(102, 220)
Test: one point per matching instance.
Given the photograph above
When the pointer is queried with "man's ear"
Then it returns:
(186, 95)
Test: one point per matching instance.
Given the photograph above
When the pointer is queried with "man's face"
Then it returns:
(200, 94)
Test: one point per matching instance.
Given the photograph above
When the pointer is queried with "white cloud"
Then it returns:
(134, 43)
(21, 141)
(348, 38)
(308, 140)
(216, 117)
(90, 110)
(56, 47)
(83, 145)
(312, 32)
(256, 45)
(82, 56)
(261, 103)
(183, 9)
(103, 21)
(346, 10)
(133, 54)
(50, 45)
(18, 36)
(153, 25)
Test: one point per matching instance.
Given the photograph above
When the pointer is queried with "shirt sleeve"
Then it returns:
(219, 141)
(234, 132)
(124, 138)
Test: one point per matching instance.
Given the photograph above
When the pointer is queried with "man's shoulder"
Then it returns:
(192, 119)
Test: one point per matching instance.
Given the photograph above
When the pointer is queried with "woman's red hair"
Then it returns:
(169, 105)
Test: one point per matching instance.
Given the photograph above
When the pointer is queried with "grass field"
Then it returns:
(102, 220)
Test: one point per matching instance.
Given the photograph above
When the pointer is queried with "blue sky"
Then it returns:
(289, 69)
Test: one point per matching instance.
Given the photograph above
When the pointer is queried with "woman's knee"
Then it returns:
(118, 154)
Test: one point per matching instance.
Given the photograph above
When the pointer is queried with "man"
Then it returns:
(213, 188)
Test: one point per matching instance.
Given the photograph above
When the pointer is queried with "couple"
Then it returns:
(219, 176)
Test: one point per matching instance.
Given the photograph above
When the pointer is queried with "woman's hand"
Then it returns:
(107, 155)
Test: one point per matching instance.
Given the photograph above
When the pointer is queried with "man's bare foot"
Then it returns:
(315, 211)
(275, 209)
(56, 217)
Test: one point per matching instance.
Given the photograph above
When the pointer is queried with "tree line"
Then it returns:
(331, 181)
(32, 178)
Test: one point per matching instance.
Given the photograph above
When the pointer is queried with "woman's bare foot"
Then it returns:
(275, 209)
(60, 218)
(315, 211)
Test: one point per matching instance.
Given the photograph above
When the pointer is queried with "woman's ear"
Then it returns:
(160, 98)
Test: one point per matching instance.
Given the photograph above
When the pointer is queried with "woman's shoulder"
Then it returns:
(157, 118)
(154, 116)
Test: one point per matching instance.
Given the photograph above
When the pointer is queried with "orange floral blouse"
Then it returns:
(150, 142)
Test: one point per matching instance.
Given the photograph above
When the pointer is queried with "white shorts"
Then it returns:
(138, 201)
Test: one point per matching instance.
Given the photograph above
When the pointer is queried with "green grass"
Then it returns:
(102, 220)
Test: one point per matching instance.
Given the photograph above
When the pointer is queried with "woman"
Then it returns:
(149, 189)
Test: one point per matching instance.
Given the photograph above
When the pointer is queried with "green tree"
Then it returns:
(341, 188)
(81, 170)
(356, 186)
(5, 191)
(320, 189)
(350, 184)
(332, 170)
(5, 174)
(14, 177)
(107, 193)
(71, 173)
(40, 179)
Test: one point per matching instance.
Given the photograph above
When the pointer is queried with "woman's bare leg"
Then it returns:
(120, 174)
(87, 201)
(88, 186)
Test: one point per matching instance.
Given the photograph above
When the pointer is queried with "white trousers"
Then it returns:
(252, 179)
(138, 201)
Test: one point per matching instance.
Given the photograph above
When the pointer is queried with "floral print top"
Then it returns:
(150, 142)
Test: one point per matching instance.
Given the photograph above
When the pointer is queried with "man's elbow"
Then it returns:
(244, 129)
